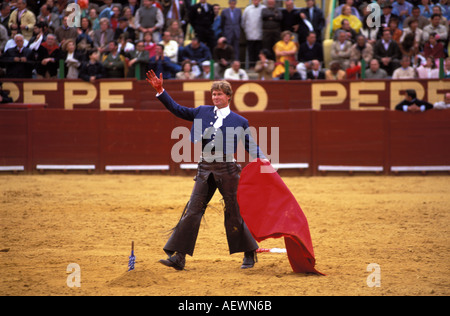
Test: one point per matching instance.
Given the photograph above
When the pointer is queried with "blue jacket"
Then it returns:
(235, 128)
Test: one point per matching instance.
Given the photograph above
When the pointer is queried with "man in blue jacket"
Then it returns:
(219, 130)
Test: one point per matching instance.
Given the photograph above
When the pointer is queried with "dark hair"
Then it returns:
(411, 93)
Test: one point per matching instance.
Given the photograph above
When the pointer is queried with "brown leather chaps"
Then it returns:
(211, 176)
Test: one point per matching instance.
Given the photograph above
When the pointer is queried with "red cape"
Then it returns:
(271, 211)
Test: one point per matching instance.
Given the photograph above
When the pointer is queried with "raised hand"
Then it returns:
(154, 81)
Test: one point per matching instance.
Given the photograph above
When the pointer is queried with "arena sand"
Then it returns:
(401, 223)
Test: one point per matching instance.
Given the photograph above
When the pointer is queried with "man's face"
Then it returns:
(435, 21)
(220, 99)
(19, 41)
(374, 66)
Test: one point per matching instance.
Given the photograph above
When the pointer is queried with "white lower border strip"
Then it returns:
(350, 168)
(65, 167)
(12, 168)
(419, 168)
(137, 167)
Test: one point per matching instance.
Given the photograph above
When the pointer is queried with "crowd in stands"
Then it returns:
(126, 38)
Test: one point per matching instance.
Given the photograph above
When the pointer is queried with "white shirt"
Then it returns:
(220, 115)
(230, 74)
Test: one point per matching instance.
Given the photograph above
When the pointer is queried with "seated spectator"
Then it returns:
(311, 49)
(196, 52)
(11, 43)
(374, 71)
(72, 59)
(345, 27)
(206, 71)
(409, 47)
(264, 66)
(396, 33)
(369, 29)
(186, 72)
(315, 73)
(346, 13)
(428, 70)
(103, 36)
(85, 36)
(18, 60)
(422, 21)
(412, 104)
(335, 72)
(149, 44)
(350, 3)
(64, 32)
(93, 69)
(341, 49)
(387, 15)
(405, 71)
(353, 71)
(125, 47)
(361, 50)
(49, 17)
(387, 52)
(442, 105)
(38, 36)
(223, 55)
(413, 28)
(4, 96)
(177, 34)
(48, 55)
(170, 47)
(138, 58)
(285, 50)
(235, 72)
(426, 8)
(437, 28)
(433, 48)
(114, 62)
(124, 27)
(160, 64)
(93, 17)
(22, 19)
(403, 9)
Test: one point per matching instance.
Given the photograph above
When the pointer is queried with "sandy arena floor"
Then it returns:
(48, 221)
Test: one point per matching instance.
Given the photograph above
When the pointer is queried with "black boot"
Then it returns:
(176, 261)
(249, 259)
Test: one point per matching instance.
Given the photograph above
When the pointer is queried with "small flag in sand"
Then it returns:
(132, 258)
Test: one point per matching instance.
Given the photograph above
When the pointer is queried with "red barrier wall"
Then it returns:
(29, 137)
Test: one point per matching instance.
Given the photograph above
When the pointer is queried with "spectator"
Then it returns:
(149, 45)
(335, 72)
(217, 24)
(223, 55)
(252, 26)
(103, 36)
(176, 34)
(387, 52)
(201, 17)
(396, 33)
(206, 71)
(12, 43)
(435, 27)
(138, 58)
(290, 19)
(361, 50)
(72, 59)
(264, 66)
(433, 48)
(48, 55)
(114, 19)
(93, 17)
(310, 49)
(447, 68)
(341, 49)
(125, 47)
(345, 27)
(312, 18)
(113, 62)
(442, 105)
(186, 72)
(271, 25)
(409, 47)
(438, 10)
(369, 30)
(170, 47)
(285, 50)
(85, 36)
(235, 72)
(128, 14)
(160, 64)
(231, 19)
(404, 9)
(123, 27)
(428, 70)
(415, 15)
(196, 52)
(413, 28)
(426, 8)
(355, 23)
(315, 73)
(176, 10)
(93, 69)
(4, 96)
(353, 71)
(64, 32)
(374, 71)
(387, 15)
(18, 60)
(149, 18)
(22, 19)
(47, 16)
(412, 104)
(350, 3)
(38, 36)
(405, 71)
(5, 13)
